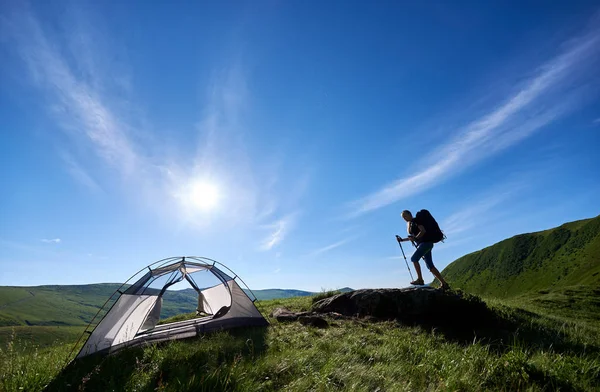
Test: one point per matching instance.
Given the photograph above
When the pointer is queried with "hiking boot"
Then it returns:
(418, 282)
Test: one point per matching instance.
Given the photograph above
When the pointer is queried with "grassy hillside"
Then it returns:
(546, 261)
(267, 294)
(75, 305)
(52, 305)
(529, 350)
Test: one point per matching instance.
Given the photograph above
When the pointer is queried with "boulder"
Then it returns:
(313, 321)
(283, 314)
(411, 305)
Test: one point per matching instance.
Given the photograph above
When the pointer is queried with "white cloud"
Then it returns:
(475, 212)
(78, 106)
(51, 241)
(394, 258)
(101, 118)
(278, 231)
(544, 97)
(597, 121)
(331, 246)
(79, 174)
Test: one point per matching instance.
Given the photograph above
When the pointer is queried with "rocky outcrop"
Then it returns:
(426, 306)
(283, 314)
(313, 321)
(420, 305)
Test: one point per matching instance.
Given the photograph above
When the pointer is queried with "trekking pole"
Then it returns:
(406, 261)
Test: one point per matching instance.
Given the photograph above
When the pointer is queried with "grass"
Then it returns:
(554, 259)
(38, 336)
(531, 350)
(25, 366)
(324, 294)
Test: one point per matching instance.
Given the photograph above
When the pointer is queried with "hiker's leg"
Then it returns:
(437, 274)
(429, 262)
(418, 269)
(421, 250)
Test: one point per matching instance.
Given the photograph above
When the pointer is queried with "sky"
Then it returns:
(284, 138)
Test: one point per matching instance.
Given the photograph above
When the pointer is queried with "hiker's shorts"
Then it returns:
(423, 250)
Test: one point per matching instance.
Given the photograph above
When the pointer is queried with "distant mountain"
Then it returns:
(74, 305)
(52, 305)
(266, 294)
(553, 259)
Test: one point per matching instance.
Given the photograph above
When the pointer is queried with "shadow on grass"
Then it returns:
(503, 328)
(201, 364)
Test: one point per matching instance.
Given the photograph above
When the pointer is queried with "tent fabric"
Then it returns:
(133, 318)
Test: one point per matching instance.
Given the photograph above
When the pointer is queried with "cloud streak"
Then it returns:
(550, 93)
(80, 89)
(51, 241)
(278, 231)
(467, 218)
(331, 247)
(78, 106)
(79, 174)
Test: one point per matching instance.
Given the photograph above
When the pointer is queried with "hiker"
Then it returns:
(424, 241)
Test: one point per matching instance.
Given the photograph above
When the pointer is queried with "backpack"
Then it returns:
(433, 231)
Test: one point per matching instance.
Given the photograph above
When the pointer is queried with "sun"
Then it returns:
(204, 196)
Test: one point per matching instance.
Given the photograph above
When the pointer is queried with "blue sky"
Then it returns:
(283, 139)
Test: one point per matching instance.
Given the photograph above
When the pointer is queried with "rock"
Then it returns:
(283, 314)
(336, 316)
(314, 321)
(420, 305)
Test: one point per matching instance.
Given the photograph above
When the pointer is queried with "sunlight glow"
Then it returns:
(203, 196)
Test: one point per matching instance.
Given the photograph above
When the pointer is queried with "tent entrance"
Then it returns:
(190, 292)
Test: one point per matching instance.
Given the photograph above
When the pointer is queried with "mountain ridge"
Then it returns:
(73, 305)
(555, 258)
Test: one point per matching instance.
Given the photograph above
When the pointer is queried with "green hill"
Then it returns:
(52, 305)
(75, 305)
(553, 260)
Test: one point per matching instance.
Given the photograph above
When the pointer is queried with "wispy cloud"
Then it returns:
(79, 107)
(86, 100)
(551, 92)
(393, 258)
(79, 174)
(475, 212)
(278, 231)
(331, 246)
(51, 241)
(596, 121)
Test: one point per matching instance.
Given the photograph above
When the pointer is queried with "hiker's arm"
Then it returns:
(421, 232)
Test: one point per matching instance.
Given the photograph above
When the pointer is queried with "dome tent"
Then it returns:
(130, 317)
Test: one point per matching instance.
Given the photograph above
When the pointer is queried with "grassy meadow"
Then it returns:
(532, 349)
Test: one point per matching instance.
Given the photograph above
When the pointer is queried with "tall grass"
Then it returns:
(542, 353)
(27, 367)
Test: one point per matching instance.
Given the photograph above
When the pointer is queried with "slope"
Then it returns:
(75, 305)
(550, 260)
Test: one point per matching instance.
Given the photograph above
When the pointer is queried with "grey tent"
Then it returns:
(131, 315)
